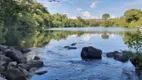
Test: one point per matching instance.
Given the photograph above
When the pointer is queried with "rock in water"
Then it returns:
(14, 74)
(91, 53)
(69, 48)
(36, 58)
(112, 54)
(25, 50)
(41, 72)
(32, 64)
(117, 56)
(73, 44)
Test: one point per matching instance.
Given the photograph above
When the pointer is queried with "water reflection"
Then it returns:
(42, 38)
(64, 64)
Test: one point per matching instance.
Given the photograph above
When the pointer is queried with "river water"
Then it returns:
(64, 64)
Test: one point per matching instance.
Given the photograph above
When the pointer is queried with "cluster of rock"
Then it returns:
(15, 66)
(93, 53)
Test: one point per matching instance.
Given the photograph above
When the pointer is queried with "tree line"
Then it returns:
(24, 17)
(131, 19)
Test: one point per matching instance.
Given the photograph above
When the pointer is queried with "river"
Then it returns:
(64, 64)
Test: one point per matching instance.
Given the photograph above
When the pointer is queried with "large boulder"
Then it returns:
(32, 64)
(91, 53)
(5, 59)
(14, 74)
(15, 55)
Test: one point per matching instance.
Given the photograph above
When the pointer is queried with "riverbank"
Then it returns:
(14, 65)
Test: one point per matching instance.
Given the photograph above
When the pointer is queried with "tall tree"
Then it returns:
(105, 16)
(132, 15)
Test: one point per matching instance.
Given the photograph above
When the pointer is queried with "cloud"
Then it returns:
(79, 9)
(86, 14)
(72, 17)
(93, 5)
(113, 16)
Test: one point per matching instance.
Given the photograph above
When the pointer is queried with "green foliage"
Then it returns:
(132, 24)
(137, 61)
(2, 34)
(132, 18)
(105, 36)
(132, 15)
(105, 16)
(107, 23)
(135, 41)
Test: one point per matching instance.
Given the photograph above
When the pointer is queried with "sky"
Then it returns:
(90, 9)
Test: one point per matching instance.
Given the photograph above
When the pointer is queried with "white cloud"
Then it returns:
(79, 9)
(93, 5)
(72, 17)
(94, 17)
(113, 16)
(65, 13)
(86, 14)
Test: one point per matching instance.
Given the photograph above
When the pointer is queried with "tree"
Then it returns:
(132, 15)
(105, 16)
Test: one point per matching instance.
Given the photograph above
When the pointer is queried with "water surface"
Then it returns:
(64, 64)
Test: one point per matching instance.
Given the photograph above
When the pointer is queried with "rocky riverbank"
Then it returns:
(14, 65)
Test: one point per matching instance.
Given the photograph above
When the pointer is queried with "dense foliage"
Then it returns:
(134, 42)
(21, 18)
(105, 16)
(131, 18)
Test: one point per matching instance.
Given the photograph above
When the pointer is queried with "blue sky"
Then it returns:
(91, 8)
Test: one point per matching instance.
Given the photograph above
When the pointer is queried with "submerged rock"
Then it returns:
(41, 72)
(139, 73)
(129, 73)
(91, 53)
(69, 48)
(73, 44)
